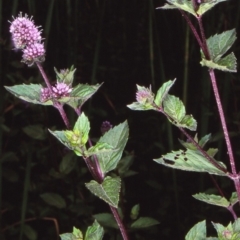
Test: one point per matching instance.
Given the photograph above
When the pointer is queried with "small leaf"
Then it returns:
(144, 222)
(82, 126)
(29, 232)
(226, 64)
(36, 131)
(65, 75)
(140, 107)
(162, 92)
(94, 232)
(99, 147)
(197, 232)
(188, 122)
(29, 93)
(234, 198)
(75, 235)
(205, 6)
(134, 212)
(53, 199)
(190, 160)
(117, 138)
(106, 220)
(212, 199)
(108, 191)
(68, 163)
(184, 5)
(80, 94)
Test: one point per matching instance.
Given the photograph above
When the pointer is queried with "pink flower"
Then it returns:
(33, 53)
(61, 90)
(45, 95)
(24, 32)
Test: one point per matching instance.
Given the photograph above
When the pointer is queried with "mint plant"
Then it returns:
(195, 157)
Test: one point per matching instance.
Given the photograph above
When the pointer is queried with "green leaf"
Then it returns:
(212, 199)
(184, 5)
(98, 148)
(108, 191)
(140, 107)
(82, 127)
(29, 93)
(234, 198)
(190, 160)
(36, 131)
(188, 122)
(162, 92)
(53, 199)
(176, 112)
(205, 6)
(94, 232)
(68, 163)
(197, 232)
(135, 211)
(65, 75)
(144, 222)
(106, 220)
(219, 44)
(117, 138)
(61, 136)
(226, 64)
(75, 235)
(29, 232)
(80, 94)
(174, 107)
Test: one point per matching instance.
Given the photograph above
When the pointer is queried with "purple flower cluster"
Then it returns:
(27, 37)
(59, 90)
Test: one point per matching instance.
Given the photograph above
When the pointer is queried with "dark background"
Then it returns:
(120, 43)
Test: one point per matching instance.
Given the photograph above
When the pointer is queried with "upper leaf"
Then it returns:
(108, 191)
(190, 160)
(205, 6)
(65, 75)
(162, 92)
(117, 138)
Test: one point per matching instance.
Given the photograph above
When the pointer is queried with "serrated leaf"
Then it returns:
(36, 131)
(100, 147)
(197, 232)
(144, 222)
(174, 107)
(106, 220)
(54, 199)
(226, 64)
(108, 191)
(188, 122)
(140, 107)
(162, 92)
(204, 140)
(234, 198)
(184, 5)
(75, 235)
(190, 160)
(94, 232)
(206, 6)
(175, 110)
(219, 44)
(29, 93)
(82, 126)
(80, 94)
(117, 138)
(212, 199)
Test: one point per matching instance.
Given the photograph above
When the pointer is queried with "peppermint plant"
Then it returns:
(194, 156)
(101, 157)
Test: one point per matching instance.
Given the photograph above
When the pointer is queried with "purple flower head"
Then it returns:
(106, 126)
(145, 95)
(33, 53)
(24, 32)
(61, 90)
(45, 95)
